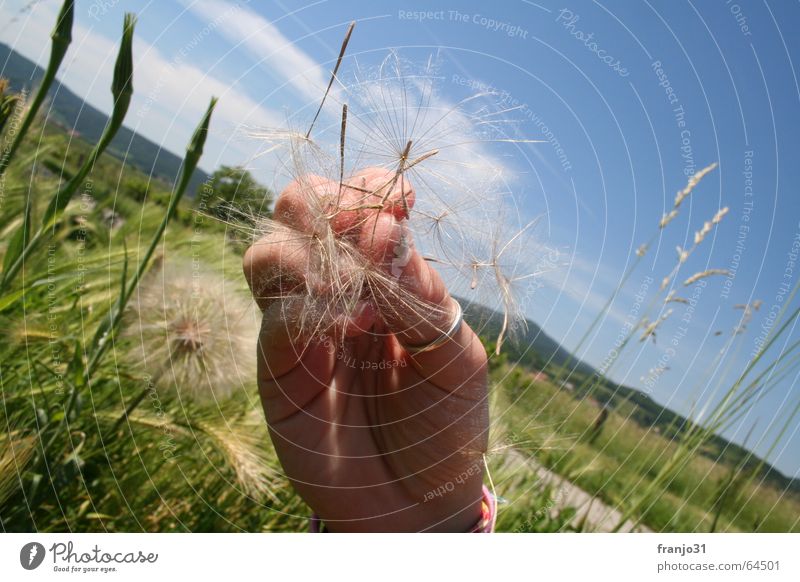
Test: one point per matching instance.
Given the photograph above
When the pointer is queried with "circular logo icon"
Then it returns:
(31, 555)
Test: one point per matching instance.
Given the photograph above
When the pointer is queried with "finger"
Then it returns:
(414, 303)
(275, 268)
(456, 363)
(391, 191)
(303, 204)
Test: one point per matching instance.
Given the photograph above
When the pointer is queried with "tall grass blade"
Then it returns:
(62, 37)
(193, 154)
(121, 89)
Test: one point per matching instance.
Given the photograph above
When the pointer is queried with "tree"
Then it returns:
(232, 191)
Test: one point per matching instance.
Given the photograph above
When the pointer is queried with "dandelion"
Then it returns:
(703, 274)
(195, 333)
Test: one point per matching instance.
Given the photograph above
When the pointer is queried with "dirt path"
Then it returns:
(599, 516)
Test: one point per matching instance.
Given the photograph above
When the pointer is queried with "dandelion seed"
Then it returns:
(694, 180)
(703, 274)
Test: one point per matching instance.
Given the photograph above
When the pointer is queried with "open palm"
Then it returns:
(373, 439)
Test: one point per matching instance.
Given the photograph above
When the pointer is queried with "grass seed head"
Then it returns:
(396, 121)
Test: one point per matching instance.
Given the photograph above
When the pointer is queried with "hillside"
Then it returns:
(73, 114)
(536, 350)
(531, 347)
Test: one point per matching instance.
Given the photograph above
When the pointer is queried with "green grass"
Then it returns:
(626, 458)
(87, 445)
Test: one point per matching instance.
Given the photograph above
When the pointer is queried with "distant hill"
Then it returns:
(73, 113)
(538, 351)
(531, 346)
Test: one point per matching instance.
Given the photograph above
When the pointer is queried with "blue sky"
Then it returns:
(592, 79)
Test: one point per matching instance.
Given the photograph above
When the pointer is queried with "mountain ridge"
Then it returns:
(72, 113)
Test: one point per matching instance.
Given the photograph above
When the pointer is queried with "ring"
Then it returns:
(439, 341)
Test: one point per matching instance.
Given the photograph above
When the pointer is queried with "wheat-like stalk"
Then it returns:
(16, 451)
(703, 274)
(694, 180)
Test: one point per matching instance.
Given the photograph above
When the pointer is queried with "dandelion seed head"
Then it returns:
(195, 334)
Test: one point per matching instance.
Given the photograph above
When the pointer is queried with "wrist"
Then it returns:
(469, 512)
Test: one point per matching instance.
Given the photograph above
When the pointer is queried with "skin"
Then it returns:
(369, 449)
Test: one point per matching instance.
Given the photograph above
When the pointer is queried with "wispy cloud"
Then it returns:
(265, 43)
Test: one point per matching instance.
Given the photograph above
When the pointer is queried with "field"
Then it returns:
(128, 390)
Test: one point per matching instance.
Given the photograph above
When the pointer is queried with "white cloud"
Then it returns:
(266, 44)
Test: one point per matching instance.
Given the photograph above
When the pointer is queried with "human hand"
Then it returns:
(372, 438)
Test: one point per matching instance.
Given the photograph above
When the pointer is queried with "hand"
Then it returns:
(372, 438)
